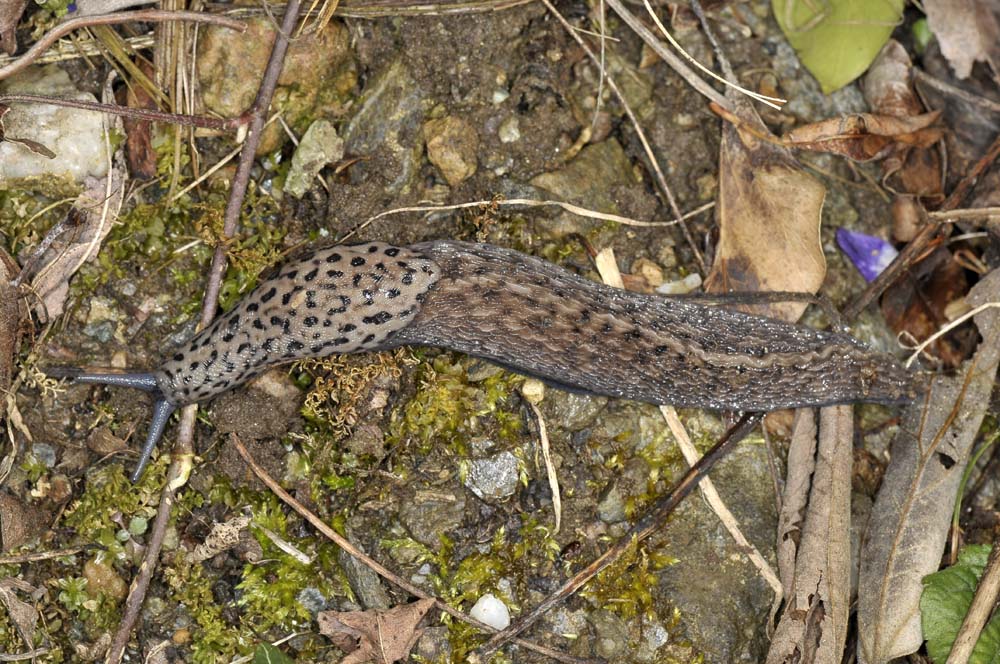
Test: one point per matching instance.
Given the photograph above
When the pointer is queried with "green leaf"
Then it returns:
(268, 654)
(945, 601)
(837, 39)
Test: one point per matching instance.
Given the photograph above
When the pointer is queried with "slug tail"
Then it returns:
(162, 410)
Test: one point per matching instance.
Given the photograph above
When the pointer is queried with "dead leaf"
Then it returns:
(10, 16)
(10, 323)
(769, 220)
(139, 144)
(912, 512)
(888, 89)
(20, 522)
(866, 136)
(32, 146)
(968, 32)
(801, 465)
(382, 637)
(23, 615)
(813, 627)
(917, 305)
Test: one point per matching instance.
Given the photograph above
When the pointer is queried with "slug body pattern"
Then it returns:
(525, 314)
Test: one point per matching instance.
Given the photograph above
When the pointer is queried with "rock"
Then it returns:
(319, 146)
(611, 508)
(426, 517)
(611, 638)
(75, 136)
(365, 583)
(490, 610)
(493, 478)
(589, 180)
(452, 146)
(230, 65)
(386, 125)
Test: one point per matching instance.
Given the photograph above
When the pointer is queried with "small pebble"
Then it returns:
(491, 611)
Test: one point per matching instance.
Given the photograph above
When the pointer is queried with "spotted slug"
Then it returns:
(524, 314)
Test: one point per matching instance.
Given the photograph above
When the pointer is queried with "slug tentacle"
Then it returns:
(162, 410)
(527, 315)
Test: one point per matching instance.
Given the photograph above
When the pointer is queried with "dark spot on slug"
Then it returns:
(392, 251)
(243, 346)
(334, 274)
(234, 321)
(311, 274)
(252, 307)
(349, 327)
(340, 341)
(179, 357)
(369, 296)
(372, 249)
(311, 300)
(295, 345)
(291, 274)
(333, 258)
(357, 280)
(309, 321)
(258, 324)
(228, 336)
(193, 366)
(370, 338)
(392, 292)
(407, 278)
(378, 319)
(276, 320)
(266, 297)
(660, 350)
(357, 261)
(286, 298)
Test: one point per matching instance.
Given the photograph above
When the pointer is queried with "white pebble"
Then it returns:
(491, 611)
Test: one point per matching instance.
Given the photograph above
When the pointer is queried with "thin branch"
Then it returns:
(145, 15)
(222, 124)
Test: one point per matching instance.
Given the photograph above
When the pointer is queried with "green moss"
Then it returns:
(213, 639)
(111, 498)
(627, 586)
(448, 409)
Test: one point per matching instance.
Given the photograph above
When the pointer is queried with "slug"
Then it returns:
(524, 314)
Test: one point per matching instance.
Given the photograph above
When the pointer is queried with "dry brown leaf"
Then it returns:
(801, 465)
(866, 136)
(912, 512)
(139, 144)
(23, 615)
(888, 89)
(968, 32)
(769, 220)
(918, 305)
(382, 637)
(10, 323)
(10, 15)
(813, 627)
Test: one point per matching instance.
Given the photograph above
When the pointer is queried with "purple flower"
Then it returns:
(869, 254)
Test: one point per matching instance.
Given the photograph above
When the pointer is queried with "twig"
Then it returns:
(23, 558)
(373, 564)
(645, 527)
(20, 657)
(222, 124)
(181, 458)
(146, 15)
(661, 180)
(979, 611)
